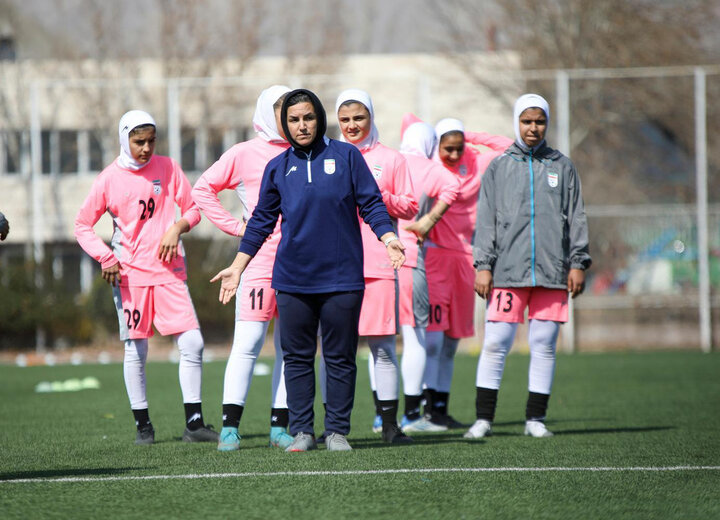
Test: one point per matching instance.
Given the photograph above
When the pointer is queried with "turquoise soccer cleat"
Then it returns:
(229, 439)
(279, 437)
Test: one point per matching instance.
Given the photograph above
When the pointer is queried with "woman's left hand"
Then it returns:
(576, 282)
(396, 253)
(168, 249)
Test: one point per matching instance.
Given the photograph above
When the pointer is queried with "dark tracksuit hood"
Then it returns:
(321, 119)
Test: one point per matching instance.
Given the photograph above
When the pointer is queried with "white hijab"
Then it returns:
(419, 139)
(444, 126)
(362, 97)
(128, 122)
(264, 121)
(521, 105)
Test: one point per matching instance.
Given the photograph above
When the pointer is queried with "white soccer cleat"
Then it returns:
(481, 428)
(537, 429)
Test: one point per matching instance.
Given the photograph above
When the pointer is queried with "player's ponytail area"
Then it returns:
(636, 436)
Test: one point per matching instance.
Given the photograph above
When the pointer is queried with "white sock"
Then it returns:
(433, 346)
(413, 359)
(386, 366)
(499, 337)
(542, 336)
(279, 392)
(247, 342)
(191, 345)
(446, 363)
(136, 351)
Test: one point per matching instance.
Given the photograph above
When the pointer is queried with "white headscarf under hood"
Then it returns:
(419, 139)
(128, 122)
(521, 105)
(363, 98)
(264, 121)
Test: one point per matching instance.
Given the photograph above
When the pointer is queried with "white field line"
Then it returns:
(618, 469)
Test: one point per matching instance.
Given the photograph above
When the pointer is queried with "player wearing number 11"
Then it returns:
(146, 265)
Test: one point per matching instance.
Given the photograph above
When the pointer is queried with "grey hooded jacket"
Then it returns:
(531, 226)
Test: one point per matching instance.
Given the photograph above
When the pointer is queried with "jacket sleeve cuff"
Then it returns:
(109, 262)
(482, 267)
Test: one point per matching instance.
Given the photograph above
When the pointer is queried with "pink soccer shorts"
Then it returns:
(451, 279)
(168, 307)
(255, 300)
(508, 304)
(379, 308)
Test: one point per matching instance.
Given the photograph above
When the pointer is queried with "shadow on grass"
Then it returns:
(419, 440)
(69, 472)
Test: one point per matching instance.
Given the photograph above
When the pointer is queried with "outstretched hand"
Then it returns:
(230, 280)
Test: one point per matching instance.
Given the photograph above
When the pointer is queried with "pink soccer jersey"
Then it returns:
(142, 206)
(241, 169)
(430, 181)
(455, 230)
(391, 172)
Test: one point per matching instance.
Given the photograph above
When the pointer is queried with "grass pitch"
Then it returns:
(637, 436)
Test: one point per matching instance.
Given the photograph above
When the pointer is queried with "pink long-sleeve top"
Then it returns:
(431, 182)
(142, 206)
(391, 172)
(241, 169)
(455, 230)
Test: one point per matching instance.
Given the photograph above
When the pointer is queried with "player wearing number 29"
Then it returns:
(530, 249)
(146, 265)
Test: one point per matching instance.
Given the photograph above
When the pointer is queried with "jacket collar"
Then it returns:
(543, 152)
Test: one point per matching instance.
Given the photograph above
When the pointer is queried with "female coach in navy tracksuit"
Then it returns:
(319, 186)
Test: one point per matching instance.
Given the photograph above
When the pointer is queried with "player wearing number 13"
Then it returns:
(530, 250)
(146, 265)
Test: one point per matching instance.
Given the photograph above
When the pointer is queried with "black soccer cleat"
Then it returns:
(202, 434)
(392, 434)
(145, 435)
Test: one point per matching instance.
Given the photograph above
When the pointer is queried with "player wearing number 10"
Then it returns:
(146, 265)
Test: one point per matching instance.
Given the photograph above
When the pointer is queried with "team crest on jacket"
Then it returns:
(377, 171)
(463, 170)
(329, 166)
(552, 179)
(157, 187)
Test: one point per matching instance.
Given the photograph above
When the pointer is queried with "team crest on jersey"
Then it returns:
(157, 187)
(377, 171)
(463, 170)
(329, 166)
(552, 179)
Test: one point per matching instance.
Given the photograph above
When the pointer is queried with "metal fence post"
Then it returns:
(702, 209)
(173, 115)
(562, 91)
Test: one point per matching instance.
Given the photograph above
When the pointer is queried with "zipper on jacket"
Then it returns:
(532, 218)
(309, 169)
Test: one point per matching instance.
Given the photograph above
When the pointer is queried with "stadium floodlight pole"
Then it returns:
(562, 91)
(702, 208)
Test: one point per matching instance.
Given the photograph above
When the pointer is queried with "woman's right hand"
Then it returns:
(112, 274)
(230, 280)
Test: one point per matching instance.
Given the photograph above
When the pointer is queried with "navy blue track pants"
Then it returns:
(338, 315)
